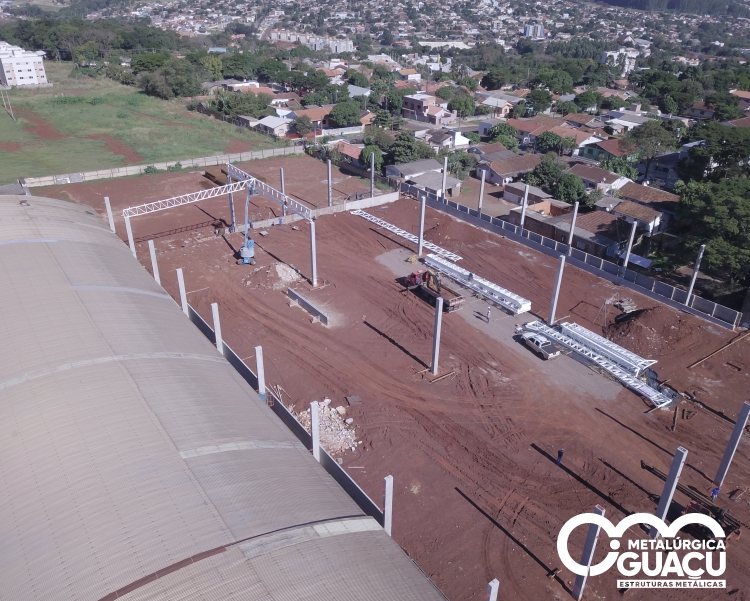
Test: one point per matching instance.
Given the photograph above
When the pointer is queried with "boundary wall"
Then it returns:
(219, 159)
(660, 291)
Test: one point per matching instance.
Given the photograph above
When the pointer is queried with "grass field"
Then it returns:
(55, 126)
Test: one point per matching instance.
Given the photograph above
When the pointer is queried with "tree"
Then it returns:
(446, 92)
(719, 217)
(539, 101)
(546, 173)
(504, 129)
(302, 125)
(725, 106)
(519, 110)
(367, 151)
(567, 107)
(383, 118)
(649, 140)
(472, 136)
(356, 78)
(570, 188)
(181, 78)
(549, 142)
(213, 65)
(407, 148)
(460, 163)
(620, 166)
(86, 52)
(463, 105)
(496, 78)
(510, 142)
(148, 62)
(588, 101)
(669, 105)
(568, 143)
(345, 113)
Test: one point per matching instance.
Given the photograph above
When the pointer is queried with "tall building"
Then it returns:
(533, 31)
(19, 67)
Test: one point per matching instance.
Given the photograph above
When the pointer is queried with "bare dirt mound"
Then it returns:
(654, 332)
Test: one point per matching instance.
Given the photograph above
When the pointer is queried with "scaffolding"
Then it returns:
(514, 303)
(656, 398)
(404, 234)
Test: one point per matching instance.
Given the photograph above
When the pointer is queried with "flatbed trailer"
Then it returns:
(427, 285)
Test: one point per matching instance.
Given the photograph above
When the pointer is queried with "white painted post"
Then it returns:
(388, 505)
(131, 242)
(283, 204)
(630, 247)
(445, 176)
(523, 208)
(330, 195)
(420, 244)
(669, 487)
(492, 589)
(372, 174)
(154, 264)
(572, 228)
(556, 292)
(436, 338)
(481, 191)
(315, 429)
(217, 327)
(231, 203)
(734, 441)
(109, 214)
(183, 293)
(588, 555)
(695, 273)
(261, 372)
(314, 280)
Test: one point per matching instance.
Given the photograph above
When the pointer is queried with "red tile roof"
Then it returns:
(653, 197)
(636, 211)
(612, 146)
(519, 164)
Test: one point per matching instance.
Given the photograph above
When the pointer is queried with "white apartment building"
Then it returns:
(19, 67)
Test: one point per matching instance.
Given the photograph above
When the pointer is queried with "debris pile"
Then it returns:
(336, 433)
(653, 332)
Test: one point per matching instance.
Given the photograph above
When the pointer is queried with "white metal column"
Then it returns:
(261, 372)
(436, 338)
(154, 264)
(131, 242)
(670, 486)
(420, 244)
(217, 327)
(588, 555)
(481, 190)
(388, 504)
(313, 259)
(734, 442)
(315, 430)
(183, 293)
(109, 214)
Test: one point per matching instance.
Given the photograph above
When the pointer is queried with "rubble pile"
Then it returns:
(336, 432)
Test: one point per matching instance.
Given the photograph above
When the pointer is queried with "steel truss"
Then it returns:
(272, 193)
(614, 352)
(513, 302)
(639, 386)
(161, 205)
(404, 234)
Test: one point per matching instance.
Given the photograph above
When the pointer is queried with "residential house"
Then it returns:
(744, 97)
(247, 121)
(432, 182)
(529, 129)
(600, 179)
(741, 122)
(515, 192)
(700, 111)
(604, 150)
(659, 200)
(648, 220)
(541, 217)
(350, 153)
(624, 121)
(444, 138)
(582, 136)
(506, 170)
(414, 168)
(318, 115)
(275, 126)
(355, 91)
(424, 107)
(410, 75)
(583, 119)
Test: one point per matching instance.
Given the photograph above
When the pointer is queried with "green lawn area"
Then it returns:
(77, 108)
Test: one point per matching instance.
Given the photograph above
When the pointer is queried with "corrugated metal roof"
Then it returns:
(134, 459)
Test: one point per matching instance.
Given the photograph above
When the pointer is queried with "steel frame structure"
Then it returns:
(161, 205)
(404, 234)
(272, 193)
(614, 352)
(513, 302)
(639, 386)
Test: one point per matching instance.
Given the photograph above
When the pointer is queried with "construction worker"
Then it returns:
(488, 314)
(715, 493)
(560, 456)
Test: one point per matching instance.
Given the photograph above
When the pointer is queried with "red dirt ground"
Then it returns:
(120, 148)
(477, 493)
(11, 146)
(39, 126)
(236, 146)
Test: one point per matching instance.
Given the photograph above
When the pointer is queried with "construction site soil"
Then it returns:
(477, 492)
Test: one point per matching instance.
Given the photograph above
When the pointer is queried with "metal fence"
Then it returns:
(221, 159)
(665, 293)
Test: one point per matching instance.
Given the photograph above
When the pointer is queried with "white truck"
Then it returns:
(540, 345)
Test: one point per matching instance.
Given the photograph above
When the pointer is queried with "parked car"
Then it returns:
(540, 345)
